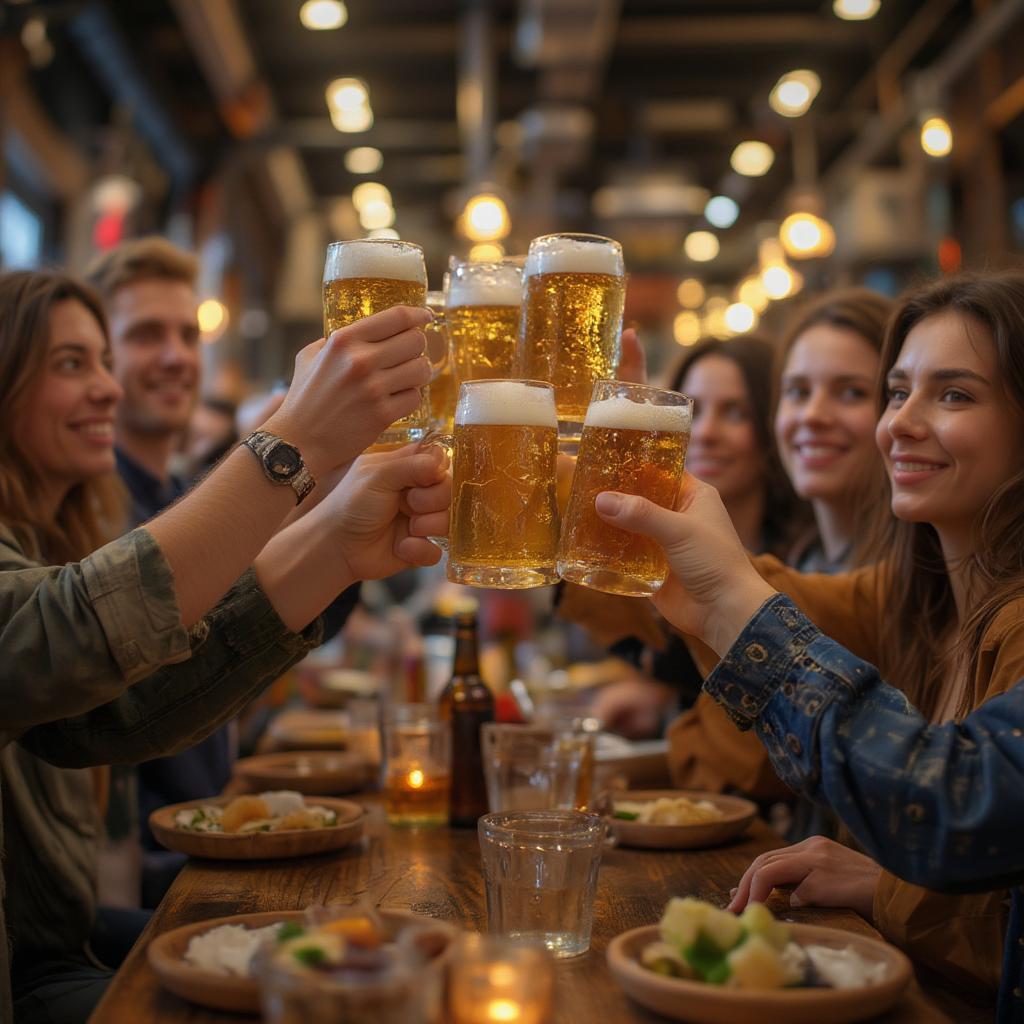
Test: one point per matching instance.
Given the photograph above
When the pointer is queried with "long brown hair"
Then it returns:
(867, 314)
(919, 607)
(93, 511)
(785, 515)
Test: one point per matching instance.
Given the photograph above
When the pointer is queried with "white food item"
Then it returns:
(282, 802)
(228, 948)
(670, 811)
(845, 968)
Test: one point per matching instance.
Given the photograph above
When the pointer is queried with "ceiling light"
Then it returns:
(690, 293)
(751, 291)
(806, 236)
(364, 160)
(936, 136)
(752, 159)
(794, 93)
(740, 318)
(212, 316)
(700, 246)
(780, 281)
(358, 120)
(377, 213)
(686, 328)
(485, 218)
(721, 211)
(856, 10)
(368, 192)
(486, 252)
(714, 318)
(320, 15)
(347, 94)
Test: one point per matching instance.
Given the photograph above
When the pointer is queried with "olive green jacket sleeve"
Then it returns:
(74, 637)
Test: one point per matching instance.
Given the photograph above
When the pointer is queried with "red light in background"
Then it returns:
(950, 256)
(108, 229)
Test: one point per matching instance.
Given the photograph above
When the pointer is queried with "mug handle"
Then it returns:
(438, 439)
(440, 324)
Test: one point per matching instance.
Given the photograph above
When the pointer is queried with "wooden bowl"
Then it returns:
(310, 730)
(738, 814)
(312, 772)
(257, 845)
(166, 955)
(702, 1003)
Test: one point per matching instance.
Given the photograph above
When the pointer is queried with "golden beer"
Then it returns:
(635, 447)
(483, 302)
(504, 518)
(364, 277)
(443, 390)
(572, 318)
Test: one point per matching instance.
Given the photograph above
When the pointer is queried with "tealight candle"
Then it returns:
(416, 780)
(496, 981)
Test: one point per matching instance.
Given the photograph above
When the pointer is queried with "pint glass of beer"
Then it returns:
(504, 518)
(574, 291)
(442, 384)
(366, 276)
(634, 441)
(483, 301)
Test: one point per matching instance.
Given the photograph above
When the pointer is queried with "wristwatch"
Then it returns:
(282, 462)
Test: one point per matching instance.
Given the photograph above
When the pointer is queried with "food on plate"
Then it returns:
(228, 948)
(666, 810)
(266, 812)
(752, 951)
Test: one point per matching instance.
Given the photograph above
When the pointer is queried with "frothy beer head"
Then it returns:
(395, 261)
(510, 402)
(562, 254)
(485, 284)
(619, 413)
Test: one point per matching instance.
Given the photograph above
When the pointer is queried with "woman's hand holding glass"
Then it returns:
(712, 590)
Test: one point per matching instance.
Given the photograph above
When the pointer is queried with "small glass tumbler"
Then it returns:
(540, 872)
(494, 979)
(417, 773)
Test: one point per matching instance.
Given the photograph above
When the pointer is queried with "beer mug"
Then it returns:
(574, 290)
(483, 301)
(504, 516)
(366, 276)
(634, 441)
(442, 383)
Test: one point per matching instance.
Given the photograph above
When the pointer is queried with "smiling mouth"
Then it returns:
(914, 467)
(96, 431)
(819, 451)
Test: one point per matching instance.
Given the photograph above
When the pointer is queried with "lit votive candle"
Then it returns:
(416, 777)
(496, 981)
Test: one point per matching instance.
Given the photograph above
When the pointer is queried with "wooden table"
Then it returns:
(437, 872)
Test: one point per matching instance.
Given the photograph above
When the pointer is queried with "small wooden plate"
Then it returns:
(701, 1003)
(166, 955)
(257, 845)
(739, 813)
(310, 730)
(312, 772)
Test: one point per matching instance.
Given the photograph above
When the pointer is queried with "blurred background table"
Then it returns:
(437, 872)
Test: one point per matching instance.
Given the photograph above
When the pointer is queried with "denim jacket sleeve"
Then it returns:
(245, 648)
(74, 637)
(929, 802)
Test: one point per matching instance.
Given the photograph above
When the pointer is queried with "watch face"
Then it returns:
(283, 461)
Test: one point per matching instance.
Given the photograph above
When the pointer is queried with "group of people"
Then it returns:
(897, 425)
(889, 482)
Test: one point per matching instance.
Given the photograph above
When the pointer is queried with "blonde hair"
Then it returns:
(93, 511)
(152, 258)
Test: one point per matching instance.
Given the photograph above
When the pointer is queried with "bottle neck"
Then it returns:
(467, 659)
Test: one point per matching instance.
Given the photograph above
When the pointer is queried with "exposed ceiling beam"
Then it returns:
(391, 134)
(684, 34)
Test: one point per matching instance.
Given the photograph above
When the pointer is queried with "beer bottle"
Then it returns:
(466, 703)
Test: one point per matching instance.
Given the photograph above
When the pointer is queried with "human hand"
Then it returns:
(632, 707)
(712, 589)
(385, 507)
(348, 389)
(632, 360)
(825, 873)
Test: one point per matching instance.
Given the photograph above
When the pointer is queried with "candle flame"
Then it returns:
(503, 1010)
(416, 778)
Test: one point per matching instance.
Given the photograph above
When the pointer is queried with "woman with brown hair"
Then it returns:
(942, 613)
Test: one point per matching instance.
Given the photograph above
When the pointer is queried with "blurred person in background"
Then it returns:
(60, 500)
(211, 434)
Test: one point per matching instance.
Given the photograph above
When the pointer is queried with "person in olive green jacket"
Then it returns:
(83, 645)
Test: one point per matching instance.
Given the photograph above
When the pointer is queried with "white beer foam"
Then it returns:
(506, 401)
(567, 255)
(368, 258)
(620, 413)
(496, 289)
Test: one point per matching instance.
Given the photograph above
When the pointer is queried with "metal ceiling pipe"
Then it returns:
(475, 97)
